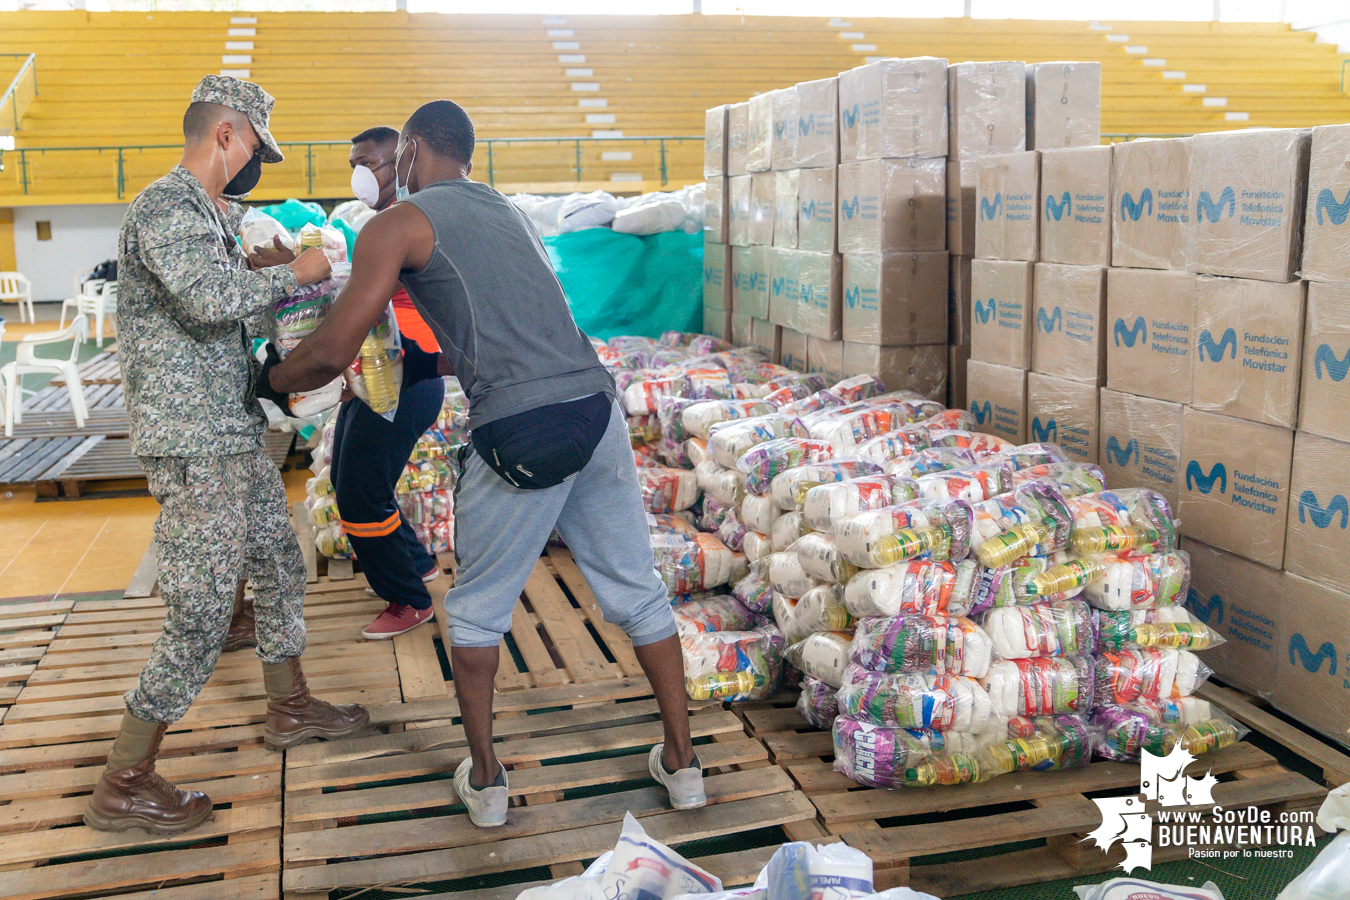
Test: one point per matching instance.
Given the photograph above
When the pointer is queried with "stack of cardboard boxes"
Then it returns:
(1206, 337)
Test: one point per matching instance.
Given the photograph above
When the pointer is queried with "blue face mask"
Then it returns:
(401, 188)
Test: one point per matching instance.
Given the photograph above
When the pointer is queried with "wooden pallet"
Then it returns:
(899, 828)
(103, 368)
(27, 628)
(567, 803)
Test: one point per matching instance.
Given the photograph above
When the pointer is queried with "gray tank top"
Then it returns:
(490, 296)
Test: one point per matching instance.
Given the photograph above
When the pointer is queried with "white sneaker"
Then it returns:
(487, 807)
(685, 787)
(426, 579)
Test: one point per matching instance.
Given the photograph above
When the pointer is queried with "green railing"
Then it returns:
(320, 167)
(20, 92)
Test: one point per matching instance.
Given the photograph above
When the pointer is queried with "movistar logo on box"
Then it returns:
(984, 312)
(1208, 611)
(1334, 210)
(1055, 209)
(850, 207)
(849, 116)
(1131, 210)
(990, 210)
(1310, 510)
(1206, 208)
(1050, 322)
(1261, 351)
(1255, 492)
(1226, 344)
(1197, 480)
(981, 413)
(1122, 455)
(1335, 366)
(1128, 336)
(712, 276)
(1255, 209)
(1162, 206)
(1044, 433)
(1300, 654)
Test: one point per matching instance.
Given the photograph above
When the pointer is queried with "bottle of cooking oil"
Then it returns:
(908, 543)
(1114, 539)
(381, 392)
(1011, 545)
(1072, 574)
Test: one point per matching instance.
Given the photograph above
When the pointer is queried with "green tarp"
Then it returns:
(629, 284)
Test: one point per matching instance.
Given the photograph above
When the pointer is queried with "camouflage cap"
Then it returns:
(247, 98)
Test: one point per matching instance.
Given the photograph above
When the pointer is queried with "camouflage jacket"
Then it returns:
(184, 294)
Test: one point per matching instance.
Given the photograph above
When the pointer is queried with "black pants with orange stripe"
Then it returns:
(369, 454)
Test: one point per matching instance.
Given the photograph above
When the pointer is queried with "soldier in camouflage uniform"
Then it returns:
(185, 290)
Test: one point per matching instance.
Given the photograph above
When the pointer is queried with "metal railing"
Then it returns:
(320, 167)
(16, 101)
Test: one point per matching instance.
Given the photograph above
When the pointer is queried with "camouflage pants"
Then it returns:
(221, 518)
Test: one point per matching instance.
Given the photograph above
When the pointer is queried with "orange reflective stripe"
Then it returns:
(371, 529)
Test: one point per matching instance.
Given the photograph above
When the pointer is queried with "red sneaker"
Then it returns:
(395, 620)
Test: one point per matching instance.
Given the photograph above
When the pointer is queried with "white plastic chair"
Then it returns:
(14, 287)
(27, 362)
(101, 304)
(83, 285)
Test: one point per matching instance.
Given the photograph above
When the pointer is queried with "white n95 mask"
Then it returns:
(364, 186)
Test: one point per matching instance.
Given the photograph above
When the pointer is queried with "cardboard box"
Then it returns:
(1326, 243)
(740, 330)
(717, 276)
(767, 337)
(716, 214)
(1075, 206)
(1063, 412)
(961, 178)
(785, 209)
(763, 207)
(895, 299)
(738, 138)
(738, 210)
(1312, 657)
(893, 204)
(1242, 601)
(1324, 402)
(1151, 314)
(817, 219)
(1064, 105)
(759, 133)
(1249, 190)
(825, 357)
(893, 109)
(783, 141)
(794, 350)
(817, 124)
(717, 322)
(785, 297)
(1139, 443)
(715, 141)
(1002, 318)
(1318, 541)
(957, 358)
(1235, 484)
(1248, 349)
(820, 280)
(958, 302)
(1007, 190)
(1069, 336)
(921, 369)
(750, 281)
(987, 105)
(998, 400)
(1151, 209)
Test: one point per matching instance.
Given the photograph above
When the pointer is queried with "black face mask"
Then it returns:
(246, 180)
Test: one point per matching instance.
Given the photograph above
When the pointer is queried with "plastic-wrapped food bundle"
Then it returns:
(814, 403)
(670, 415)
(981, 444)
(376, 375)
(731, 532)
(827, 503)
(789, 489)
(902, 442)
(702, 416)
(858, 387)
(847, 429)
(818, 704)
(696, 563)
(941, 701)
(726, 486)
(642, 398)
(1070, 479)
(786, 575)
(720, 613)
(1170, 627)
(1128, 675)
(887, 757)
(764, 462)
(669, 523)
(1126, 521)
(1132, 582)
(332, 542)
(425, 507)
(706, 343)
(972, 483)
(643, 430)
(759, 512)
(1014, 584)
(753, 591)
(756, 546)
(916, 587)
(257, 230)
(934, 459)
(711, 515)
(949, 420)
(696, 451)
(729, 441)
(733, 665)
(323, 513)
(823, 656)
(425, 475)
(819, 609)
(1025, 456)
(1042, 686)
(1124, 732)
(1045, 629)
(922, 644)
(1069, 741)
(820, 558)
(668, 490)
(1033, 519)
(930, 529)
(787, 529)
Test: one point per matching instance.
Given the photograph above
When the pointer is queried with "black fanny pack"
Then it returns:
(544, 447)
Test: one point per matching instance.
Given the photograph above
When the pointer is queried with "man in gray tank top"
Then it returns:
(550, 446)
